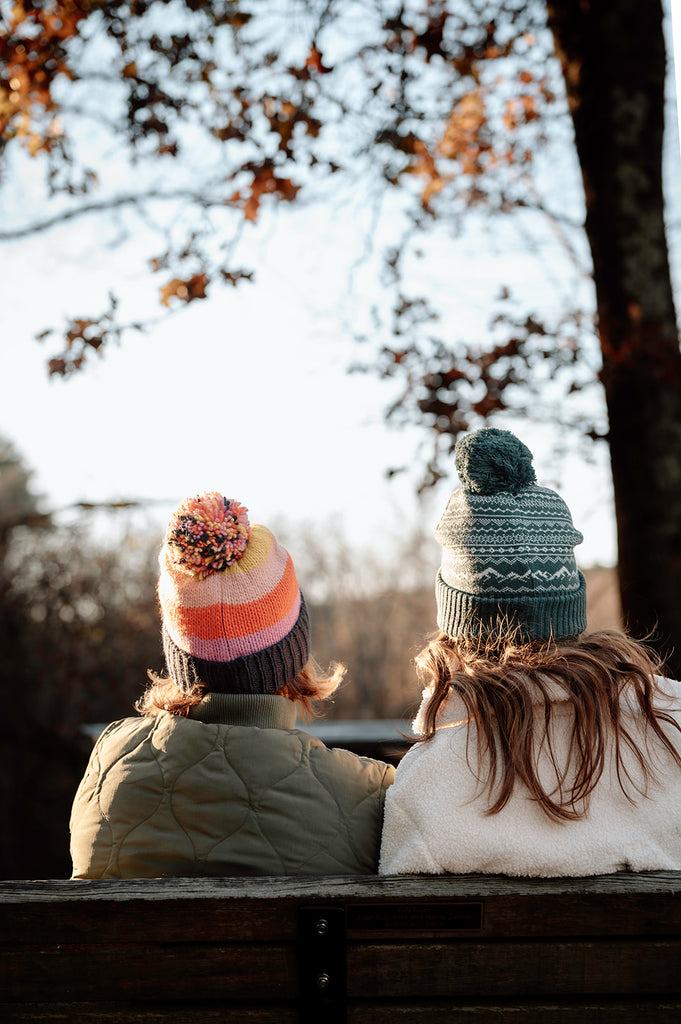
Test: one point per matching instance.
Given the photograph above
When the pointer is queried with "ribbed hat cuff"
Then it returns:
(551, 616)
(263, 672)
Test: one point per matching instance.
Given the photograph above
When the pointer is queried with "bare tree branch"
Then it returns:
(107, 205)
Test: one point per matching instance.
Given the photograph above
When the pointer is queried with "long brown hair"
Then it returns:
(310, 686)
(507, 684)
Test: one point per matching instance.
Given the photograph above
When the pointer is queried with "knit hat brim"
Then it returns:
(549, 617)
(265, 671)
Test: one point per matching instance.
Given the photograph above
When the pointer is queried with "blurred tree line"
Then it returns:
(79, 627)
(77, 630)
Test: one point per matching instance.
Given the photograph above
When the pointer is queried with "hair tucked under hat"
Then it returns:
(508, 547)
(234, 618)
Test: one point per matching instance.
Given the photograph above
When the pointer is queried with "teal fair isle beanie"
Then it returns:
(508, 547)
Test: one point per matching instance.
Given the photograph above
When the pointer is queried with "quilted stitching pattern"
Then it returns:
(172, 796)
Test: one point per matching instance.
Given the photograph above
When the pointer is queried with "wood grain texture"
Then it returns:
(536, 951)
(358, 1013)
(265, 909)
(340, 886)
(486, 970)
(173, 971)
(456, 969)
(148, 1013)
(521, 1013)
(73, 920)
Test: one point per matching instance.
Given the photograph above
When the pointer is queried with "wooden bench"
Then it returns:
(439, 949)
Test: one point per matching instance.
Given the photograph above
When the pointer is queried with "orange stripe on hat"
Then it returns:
(234, 620)
(224, 649)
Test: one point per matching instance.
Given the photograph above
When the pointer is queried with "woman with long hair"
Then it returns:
(542, 749)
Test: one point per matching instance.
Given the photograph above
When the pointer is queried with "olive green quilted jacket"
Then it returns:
(233, 790)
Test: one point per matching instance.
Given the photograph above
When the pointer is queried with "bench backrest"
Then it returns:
(370, 950)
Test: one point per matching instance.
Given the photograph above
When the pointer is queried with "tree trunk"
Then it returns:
(613, 58)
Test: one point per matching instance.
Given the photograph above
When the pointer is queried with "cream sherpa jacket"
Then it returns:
(435, 819)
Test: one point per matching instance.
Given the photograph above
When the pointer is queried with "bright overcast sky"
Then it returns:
(245, 392)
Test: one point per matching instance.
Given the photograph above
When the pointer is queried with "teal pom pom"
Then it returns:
(491, 460)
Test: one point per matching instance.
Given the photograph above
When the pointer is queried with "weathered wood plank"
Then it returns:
(76, 920)
(345, 886)
(141, 971)
(358, 1013)
(457, 969)
(488, 970)
(276, 920)
(549, 914)
(265, 909)
(148, 1013)
(553, 1013)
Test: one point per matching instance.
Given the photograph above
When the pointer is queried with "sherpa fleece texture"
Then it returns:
(172, 796)
(435, 819)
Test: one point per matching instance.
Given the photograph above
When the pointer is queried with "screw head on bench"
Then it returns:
(322, 926)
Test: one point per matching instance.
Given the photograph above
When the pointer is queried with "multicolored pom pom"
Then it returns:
(207, 534)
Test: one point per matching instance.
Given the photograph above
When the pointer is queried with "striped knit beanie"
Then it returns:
(508, 547)
(233, 615)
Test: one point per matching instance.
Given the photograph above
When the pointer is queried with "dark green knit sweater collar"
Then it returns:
(265, 711)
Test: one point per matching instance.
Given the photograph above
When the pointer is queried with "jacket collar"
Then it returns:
(264, 711)
(453, 710)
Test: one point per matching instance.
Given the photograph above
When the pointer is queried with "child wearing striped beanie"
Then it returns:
(214, 778)
(234, 618)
